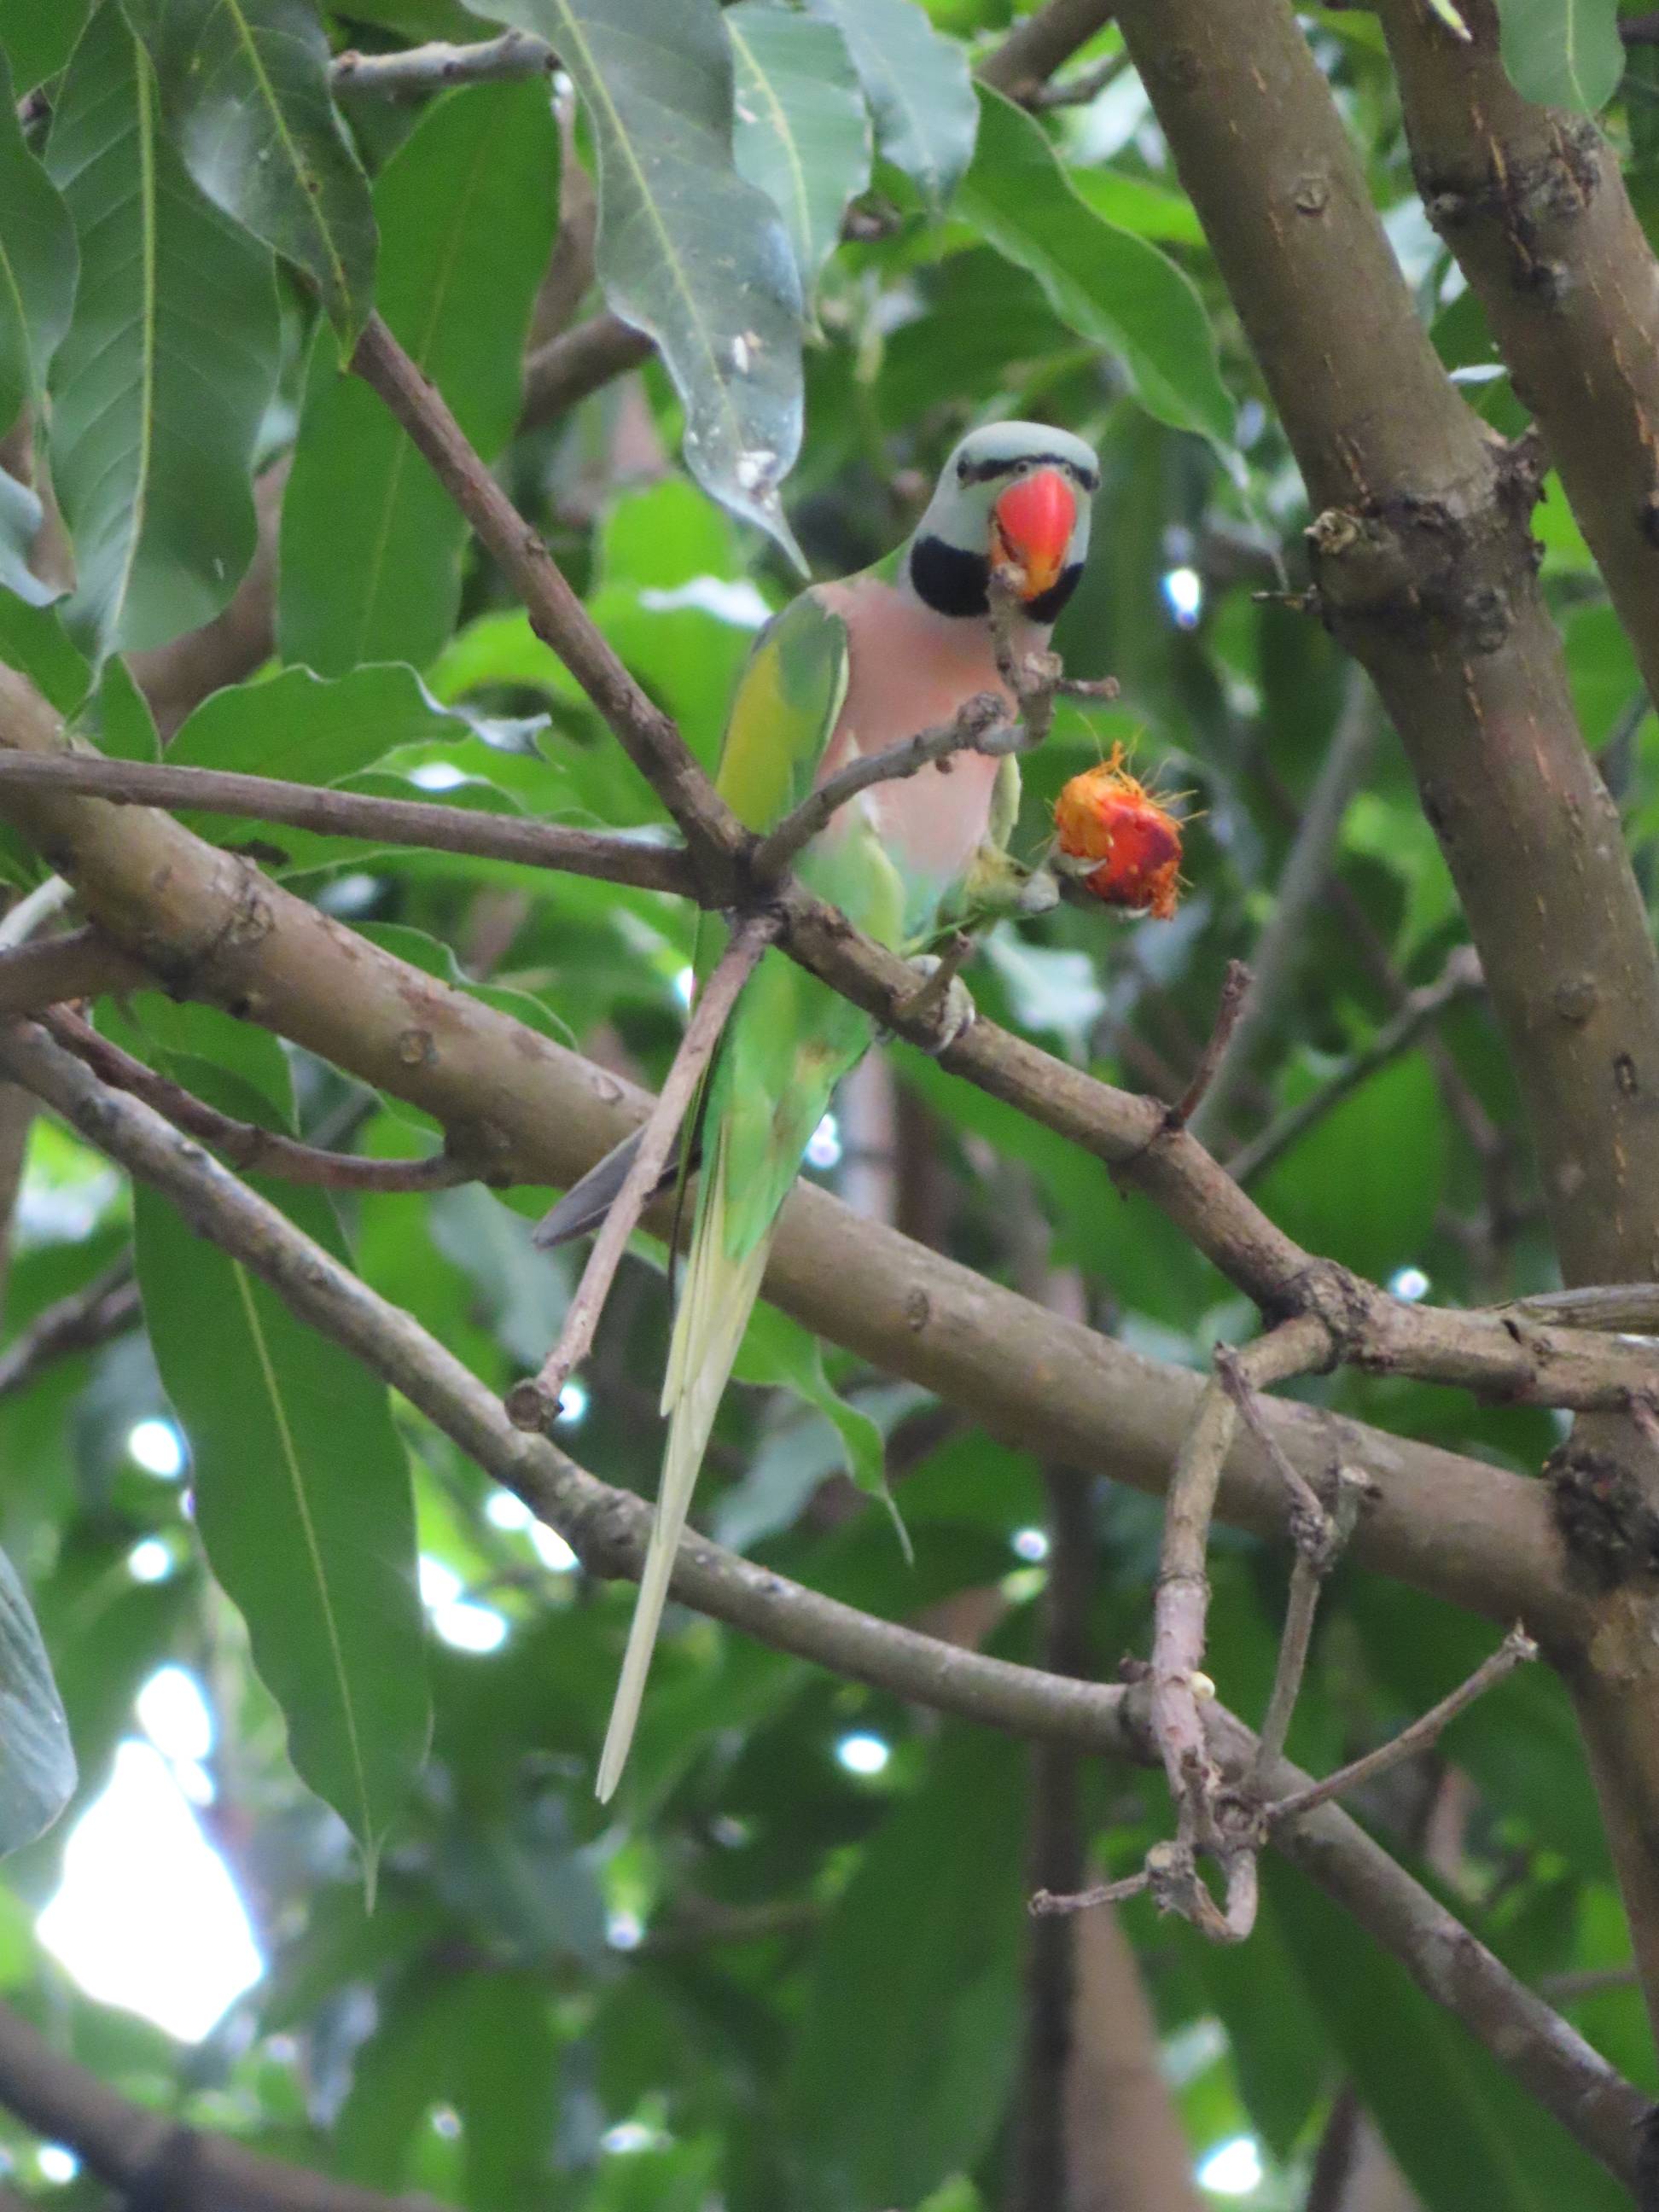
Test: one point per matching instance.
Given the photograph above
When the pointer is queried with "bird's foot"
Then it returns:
(941, 1003)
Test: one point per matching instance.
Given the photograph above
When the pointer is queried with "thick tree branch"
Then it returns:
(608, 1528)
(579, 361)
(211, 926)
(1423, 566)
(150, 2159)
(1532, 202)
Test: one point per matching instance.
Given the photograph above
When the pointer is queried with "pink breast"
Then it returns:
(910, 670)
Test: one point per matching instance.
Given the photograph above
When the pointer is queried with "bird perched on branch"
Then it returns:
(847, 670)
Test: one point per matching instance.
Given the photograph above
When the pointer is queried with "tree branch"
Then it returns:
(80, 1323)
(418, 70)
(535, 1404)
(211, 926)
(979, 725)
(491, 836)
(1278, 951)
(1458, 979)
(1532, 202)
(138, 2152)
(248, 1146)
(1551, 2061)
(1422, 564)
(608, 1530)
(80, 965)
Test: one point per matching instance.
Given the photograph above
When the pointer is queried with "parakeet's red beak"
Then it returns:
(1031, 527)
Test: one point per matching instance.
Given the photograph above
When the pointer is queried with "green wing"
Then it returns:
(787, 699)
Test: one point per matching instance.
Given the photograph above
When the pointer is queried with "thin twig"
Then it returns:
(1621, 1308)
(649, 737)
(80, 1322)
(1460, 978)
(1044, 1903)
(1280, 951)
(978, 725)
(492, 836)
(1078, 91)
(1516, 1646)
(21, 922)
(1179, 1612)
(1235, 987)
(248, 1146)
(81, 964)
(434, 67)
(534, 1403)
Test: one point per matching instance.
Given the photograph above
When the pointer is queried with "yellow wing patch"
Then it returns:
(788, 700)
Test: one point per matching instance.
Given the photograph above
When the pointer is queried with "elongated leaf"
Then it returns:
(1114, 288)
(37, 1761)
(1467, 2136)
(803, 131)
(1563, 54)
(244, 83)
(32, 641)
(168, 366)
(918, 89)
(303, 1502)
(372, 543)
(884, 2105)
(37, 264)
(40, 36)
(688, 251)
(309, 729)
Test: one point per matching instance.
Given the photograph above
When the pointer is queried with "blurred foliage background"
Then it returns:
(789, 1967)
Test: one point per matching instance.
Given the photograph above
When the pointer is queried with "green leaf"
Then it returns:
(38, 263)
(1467, 2136)
(919, 87)
(166, 370)
(777, 1350)
(303, 728)
(32, 641)
(246, 86)
(303, 1502)
(1338, 1190)
(884, 2105)
(1563, 54)
(482, 2043)
(372, 543)
(803, 131)
(1113, 287)
(688, 251)
(37, 1761)
(117, 717)
(40, 36)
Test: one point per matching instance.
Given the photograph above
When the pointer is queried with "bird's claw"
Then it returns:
(942, 1000)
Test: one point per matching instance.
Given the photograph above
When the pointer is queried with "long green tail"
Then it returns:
(715, 1307)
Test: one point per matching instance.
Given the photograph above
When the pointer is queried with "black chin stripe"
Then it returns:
(948, 580)
(952, 582)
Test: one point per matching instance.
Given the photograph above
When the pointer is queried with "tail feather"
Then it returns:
(715, 1307)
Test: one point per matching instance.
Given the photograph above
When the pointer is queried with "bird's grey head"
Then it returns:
(1014, 493)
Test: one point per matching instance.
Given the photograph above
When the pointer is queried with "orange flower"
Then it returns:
(1107, 815)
